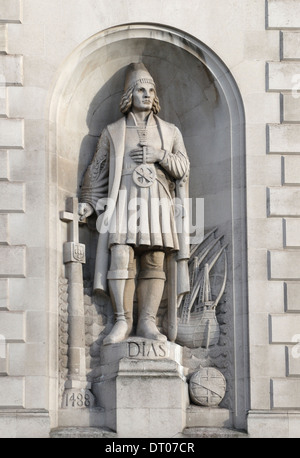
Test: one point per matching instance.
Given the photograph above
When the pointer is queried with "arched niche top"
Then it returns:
(139, 33)
(195, 87)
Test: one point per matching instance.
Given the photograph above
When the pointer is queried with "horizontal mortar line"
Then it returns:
(10, 341)
(12, 85)
(290, 59)
(11, 212)
(282, 153)
(283, 28)
(15, 147)
(12, 276)
(10, 21)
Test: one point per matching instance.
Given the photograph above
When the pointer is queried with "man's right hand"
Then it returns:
(84, 210)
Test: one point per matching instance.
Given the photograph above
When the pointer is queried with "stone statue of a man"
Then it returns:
(138, 171)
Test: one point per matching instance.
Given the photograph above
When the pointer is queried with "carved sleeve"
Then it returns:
(95, 182)
(176, 162)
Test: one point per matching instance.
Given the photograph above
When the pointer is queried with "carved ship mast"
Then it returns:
(198, 325)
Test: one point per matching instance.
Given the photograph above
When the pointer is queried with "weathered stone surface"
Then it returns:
(291, 170)
(4, 164)
(12, 196)
(291, 106)
(3, 38)
(292, 295)
(283, 14)
(284, 138)
(11, 69)
(4, 294)
(284, 265)
(12, 326)
(284, 328)
(11, 133)
(12, 392)
(11, 10)
(81, 433)
(286, 393)
(13, 261)
(292, 232)
(290, 45)
(283, 201)
(4, 230)
(293, 355)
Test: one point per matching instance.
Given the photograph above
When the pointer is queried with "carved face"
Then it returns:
(143, 96)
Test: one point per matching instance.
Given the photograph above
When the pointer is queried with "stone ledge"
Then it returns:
(283, 138)
(283, 14)
(291, 170)
(284, 265)
(284, 328)
(11, 11)
(13, 261)
(213, 433)
(208, 417)
(24, 423)
(81, 432)
(283, 201)
(269, 424)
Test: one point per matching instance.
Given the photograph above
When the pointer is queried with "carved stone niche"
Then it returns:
(198, 94)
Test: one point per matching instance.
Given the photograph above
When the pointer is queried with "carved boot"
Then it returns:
(120, 294)
(149, 294)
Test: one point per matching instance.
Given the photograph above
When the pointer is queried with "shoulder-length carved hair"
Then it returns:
(126, 102)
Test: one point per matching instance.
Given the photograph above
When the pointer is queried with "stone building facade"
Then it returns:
(60, 67)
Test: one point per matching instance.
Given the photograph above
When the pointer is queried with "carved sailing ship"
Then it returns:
(197, 324)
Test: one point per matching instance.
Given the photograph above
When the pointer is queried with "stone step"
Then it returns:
(208, 417)
(222, 433)
(81, 432)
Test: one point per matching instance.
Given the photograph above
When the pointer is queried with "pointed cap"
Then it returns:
(137, 72)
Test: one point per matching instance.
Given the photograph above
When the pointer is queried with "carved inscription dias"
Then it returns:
(146, 349)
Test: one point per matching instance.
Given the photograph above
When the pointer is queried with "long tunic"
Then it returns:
(144, 216)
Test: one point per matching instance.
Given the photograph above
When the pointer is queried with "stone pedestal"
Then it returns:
(142, 388)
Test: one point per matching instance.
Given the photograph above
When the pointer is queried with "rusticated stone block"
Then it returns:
(286, 393)
(12, 326)
(284, 265)
(285, 328)
(12, 261)
(4, 293)
(291, 170)
(4, 236)
(290, 45)
(293, 356)
(291, 106)
(4, 163)
(11, 69)
(292, 232)
(284, 138)
(12, 196)
(3, 38)
(292, 296)
(11, 11)
(284, 201)
(283, 14)
(11, 133)
(12, 391)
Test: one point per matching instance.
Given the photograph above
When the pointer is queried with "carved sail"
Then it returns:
(198, 325)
